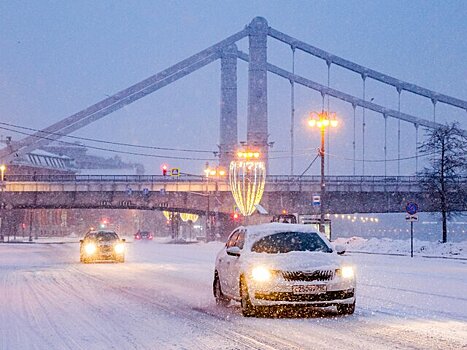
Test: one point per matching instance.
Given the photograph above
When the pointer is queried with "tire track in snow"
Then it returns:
(240, 338)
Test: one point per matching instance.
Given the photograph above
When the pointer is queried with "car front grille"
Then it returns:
(105, 249)
(318, 275)
(287, 296)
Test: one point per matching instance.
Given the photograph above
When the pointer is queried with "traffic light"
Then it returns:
(104, 223)
(164, 169)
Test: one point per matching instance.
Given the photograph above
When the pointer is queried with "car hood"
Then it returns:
(294, 261)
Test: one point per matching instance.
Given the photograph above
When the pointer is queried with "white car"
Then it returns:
(283, 264)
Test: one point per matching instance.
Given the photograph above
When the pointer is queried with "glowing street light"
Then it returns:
(215, 173)
(2, 171)
(322, 121)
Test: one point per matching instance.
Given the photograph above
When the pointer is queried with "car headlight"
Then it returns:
(261, 274)
(119, 248)
(90, 248)
(347, 272)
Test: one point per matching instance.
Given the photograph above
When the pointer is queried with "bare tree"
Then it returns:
(445, 177)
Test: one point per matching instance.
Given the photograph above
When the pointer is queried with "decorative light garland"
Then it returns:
(247, 178)
(189, 217)
(184, 216)
(167, 214)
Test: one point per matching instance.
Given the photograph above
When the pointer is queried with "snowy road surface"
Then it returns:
(161, 299)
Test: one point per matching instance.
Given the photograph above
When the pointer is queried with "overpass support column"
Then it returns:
(228, 123)
(257, 123)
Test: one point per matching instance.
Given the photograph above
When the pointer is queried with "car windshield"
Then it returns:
(285, 242)
(102, 236)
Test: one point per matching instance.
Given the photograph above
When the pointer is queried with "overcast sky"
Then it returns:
(59, 57)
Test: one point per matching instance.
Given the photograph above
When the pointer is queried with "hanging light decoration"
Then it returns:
(247, 176)
(189, 217)
(167, 214)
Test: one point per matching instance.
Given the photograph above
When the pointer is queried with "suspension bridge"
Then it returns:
(258, 33)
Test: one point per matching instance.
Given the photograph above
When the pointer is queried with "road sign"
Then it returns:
(145, 191)
(411, 208)
(316, 201)
(411, 218)
(175, 172)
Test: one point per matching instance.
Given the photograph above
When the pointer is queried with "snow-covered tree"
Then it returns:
(445, 177)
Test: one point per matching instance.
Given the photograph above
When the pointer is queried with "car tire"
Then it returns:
(346, 309)
(221, 299)
(248, 310)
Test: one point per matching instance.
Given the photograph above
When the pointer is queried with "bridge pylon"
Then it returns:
(257, 118)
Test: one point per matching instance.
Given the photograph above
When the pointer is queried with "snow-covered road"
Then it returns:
(161, 299)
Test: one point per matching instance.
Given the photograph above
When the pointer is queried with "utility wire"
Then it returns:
(112, 142)
(113, 150)
(309, 166)
(106, 142)
(305, 151)
(382, 160)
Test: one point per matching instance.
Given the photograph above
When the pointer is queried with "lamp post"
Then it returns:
(2, 184)
(322, 121)
(2, 172)
(215, 173)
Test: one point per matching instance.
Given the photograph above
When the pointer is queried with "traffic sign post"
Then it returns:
(411, 208)
(316, 201)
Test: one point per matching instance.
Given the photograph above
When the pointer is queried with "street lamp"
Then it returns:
(2, 171)
(215, 173)
(2, 178)
(322, 121)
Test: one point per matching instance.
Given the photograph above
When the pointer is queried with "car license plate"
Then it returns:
(315, 289)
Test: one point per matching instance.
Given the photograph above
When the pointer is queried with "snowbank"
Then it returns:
(392, 246)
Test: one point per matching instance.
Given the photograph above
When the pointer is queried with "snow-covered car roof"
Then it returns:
(256, 232)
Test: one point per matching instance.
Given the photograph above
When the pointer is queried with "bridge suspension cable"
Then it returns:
(370, 73)
(346, 97)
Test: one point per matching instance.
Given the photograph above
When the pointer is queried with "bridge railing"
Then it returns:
(272, 179)
(101, 178)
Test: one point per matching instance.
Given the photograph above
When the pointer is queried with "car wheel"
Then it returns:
(346, 309)
(248, 309)
(221, 299)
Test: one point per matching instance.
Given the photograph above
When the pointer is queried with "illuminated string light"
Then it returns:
(167, 214)
(247, 177)
(189, 217)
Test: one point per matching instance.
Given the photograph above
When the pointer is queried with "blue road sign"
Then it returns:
(145, 191)
(316, 201)
(411, 208)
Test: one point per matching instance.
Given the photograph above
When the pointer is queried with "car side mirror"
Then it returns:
(123, 240)
(81, 240)
(340, 249)
(234, 251)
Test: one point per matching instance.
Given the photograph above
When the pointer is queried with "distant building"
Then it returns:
(87, 164)
(65, 158)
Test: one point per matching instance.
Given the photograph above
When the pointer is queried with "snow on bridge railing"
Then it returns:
(279, 179)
